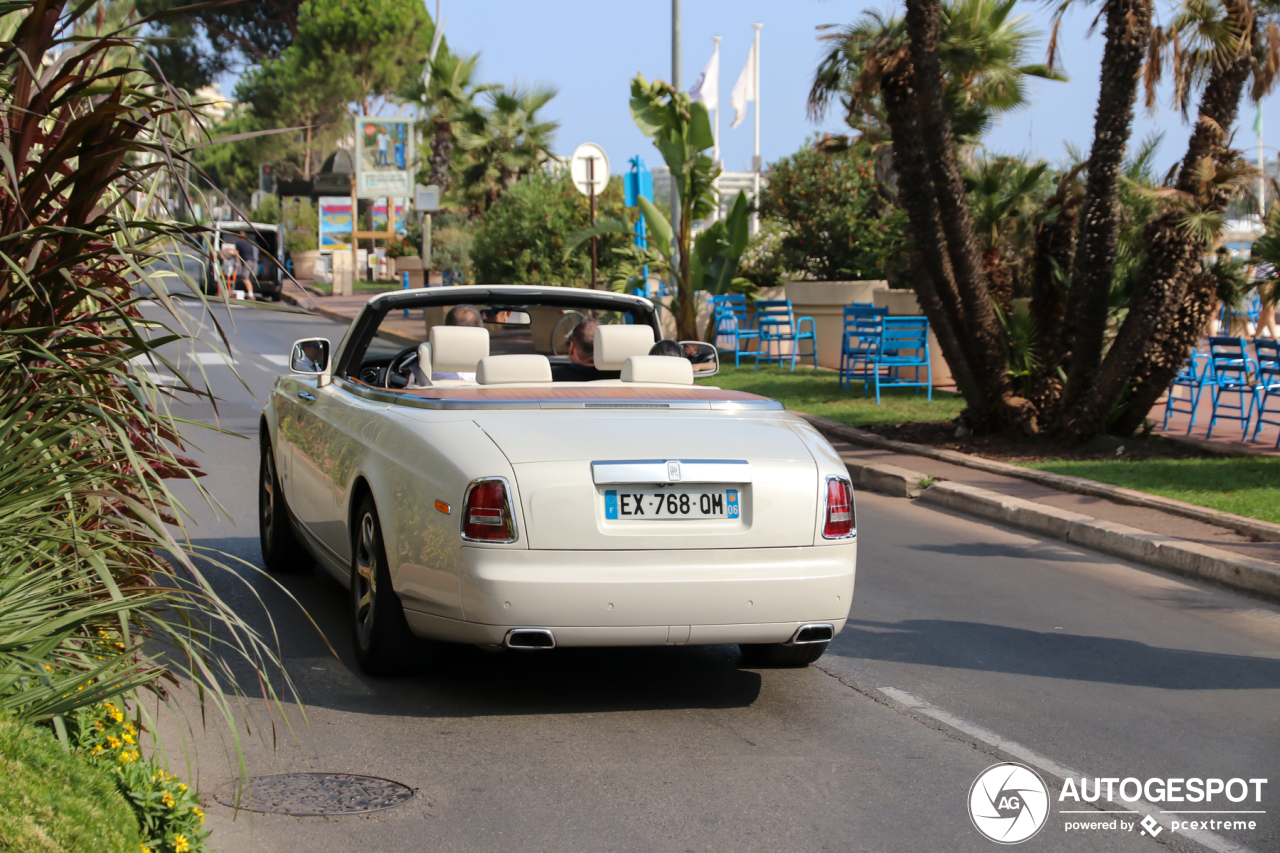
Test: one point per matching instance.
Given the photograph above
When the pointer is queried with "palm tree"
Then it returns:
(447, 90)
(947, 67)
(1213, 47)
(1127, 32)
(506, 140)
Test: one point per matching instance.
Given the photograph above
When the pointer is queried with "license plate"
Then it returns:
(661, 504)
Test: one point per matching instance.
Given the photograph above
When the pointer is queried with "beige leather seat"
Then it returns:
(615, 344)
(451, 349)
(658, 370)
(513, 370)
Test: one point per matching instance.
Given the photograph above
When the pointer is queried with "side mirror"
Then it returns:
(310, 356)
(704, 356)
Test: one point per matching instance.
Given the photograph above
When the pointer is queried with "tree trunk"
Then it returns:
(931, 267)
(441, 154)
(1168, 351)
(1127, 33)
(1172, 253)
(686, 298)
(989, 363)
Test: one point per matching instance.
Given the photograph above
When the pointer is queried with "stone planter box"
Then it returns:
(903, 303)
(825, 301)
(304, 264)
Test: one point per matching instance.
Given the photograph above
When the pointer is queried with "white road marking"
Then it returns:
(209, 358)
(1048, 765)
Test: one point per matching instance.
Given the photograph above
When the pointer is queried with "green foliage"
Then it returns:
(302, 224)
(54, 801)
(818, 392)
(451, 243)
(832, 223)
(502, 142)
(1244, 485)
(523, 238)
(762, 263)
(91, 563)
(983, 51)
(166, 809)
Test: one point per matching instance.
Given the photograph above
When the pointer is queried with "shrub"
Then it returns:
(522, 238)
(54, 801)
(834, 224)
(166, 809)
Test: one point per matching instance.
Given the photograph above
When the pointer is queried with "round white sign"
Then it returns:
(1008, 803)
(589, 168)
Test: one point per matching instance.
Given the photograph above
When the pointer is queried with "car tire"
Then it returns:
(282, 552)
(780, 654)
(277, 296)
(380, 632)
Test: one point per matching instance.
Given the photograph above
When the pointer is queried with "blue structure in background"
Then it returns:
(636, 183)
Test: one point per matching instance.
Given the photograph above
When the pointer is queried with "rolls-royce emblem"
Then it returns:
(673, 472)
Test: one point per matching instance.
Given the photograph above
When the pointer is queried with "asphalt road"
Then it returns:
(968, 644)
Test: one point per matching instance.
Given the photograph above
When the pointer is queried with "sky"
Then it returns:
(590, 50)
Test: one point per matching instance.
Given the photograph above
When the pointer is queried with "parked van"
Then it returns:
(267, 280)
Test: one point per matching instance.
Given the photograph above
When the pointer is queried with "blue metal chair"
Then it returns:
(1194, 375)
(1231, 369)
(904, 345)
(1267, 389)
(778, 326)
(733, 325)
(860, 340)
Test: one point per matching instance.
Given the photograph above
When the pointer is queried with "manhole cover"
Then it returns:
(310, 794)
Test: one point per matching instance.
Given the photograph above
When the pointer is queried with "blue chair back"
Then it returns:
(1230, 360)
(1268, 352)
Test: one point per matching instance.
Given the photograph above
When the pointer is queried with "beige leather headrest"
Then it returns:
(662, 369)
(513, 369)
(615, 344)
(421, 369)
(457, 349)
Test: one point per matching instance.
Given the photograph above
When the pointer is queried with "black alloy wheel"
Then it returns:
(381, 634)
(282, 552)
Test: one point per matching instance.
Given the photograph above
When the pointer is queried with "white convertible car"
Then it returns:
(639, 509)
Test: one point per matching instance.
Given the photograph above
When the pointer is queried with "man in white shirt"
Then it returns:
(383, 142)
(460, 315)
(312, 359)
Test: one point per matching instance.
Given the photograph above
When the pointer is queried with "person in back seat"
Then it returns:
(581, 366)
(460, 315)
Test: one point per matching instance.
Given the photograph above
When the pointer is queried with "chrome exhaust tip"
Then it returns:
(529, 638)
(818, 632)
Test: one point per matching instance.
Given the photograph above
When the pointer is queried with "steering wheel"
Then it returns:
(563, 328)
(397, 373)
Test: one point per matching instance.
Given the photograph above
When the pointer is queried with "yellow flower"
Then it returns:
(167, 799)
(128, 756)
(180, 844)
(128, 738)
(128, 727)
(117, 716)
(182, 787)
(46, 666)
(100, 726)
(113, 742)
(199, 813)
(146, 849)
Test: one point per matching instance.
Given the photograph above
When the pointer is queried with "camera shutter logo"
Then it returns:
(1008, 803)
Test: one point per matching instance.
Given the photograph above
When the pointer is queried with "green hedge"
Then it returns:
(55, 801)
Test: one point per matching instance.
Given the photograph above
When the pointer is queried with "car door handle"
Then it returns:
(310, 398)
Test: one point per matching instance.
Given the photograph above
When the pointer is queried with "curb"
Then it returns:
(1163, 552)
(1263, 530)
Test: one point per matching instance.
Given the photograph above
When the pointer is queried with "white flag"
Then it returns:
(744, 90)
(707, 87)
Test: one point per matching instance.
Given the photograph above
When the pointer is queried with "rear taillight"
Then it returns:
(839, 521)
(486, 512)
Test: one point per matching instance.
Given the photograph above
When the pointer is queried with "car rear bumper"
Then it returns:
(615, 598)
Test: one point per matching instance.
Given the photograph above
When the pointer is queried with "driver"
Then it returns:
(312, 356)
(581, 366)
(460, 315)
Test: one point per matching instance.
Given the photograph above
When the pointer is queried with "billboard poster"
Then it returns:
(335, 223)
(384, 157)
(380, 215)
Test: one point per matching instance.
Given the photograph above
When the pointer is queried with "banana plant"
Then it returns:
(711, 264)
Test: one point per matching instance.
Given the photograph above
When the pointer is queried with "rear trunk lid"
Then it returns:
(757, 462)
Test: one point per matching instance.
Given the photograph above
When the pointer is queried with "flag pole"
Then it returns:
(755, 159)
(715, 135)
(1262, 173)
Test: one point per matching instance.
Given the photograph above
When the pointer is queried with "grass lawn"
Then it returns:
(1244, 485)
(818, 392)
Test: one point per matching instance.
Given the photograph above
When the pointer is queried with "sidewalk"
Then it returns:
(345, 308)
